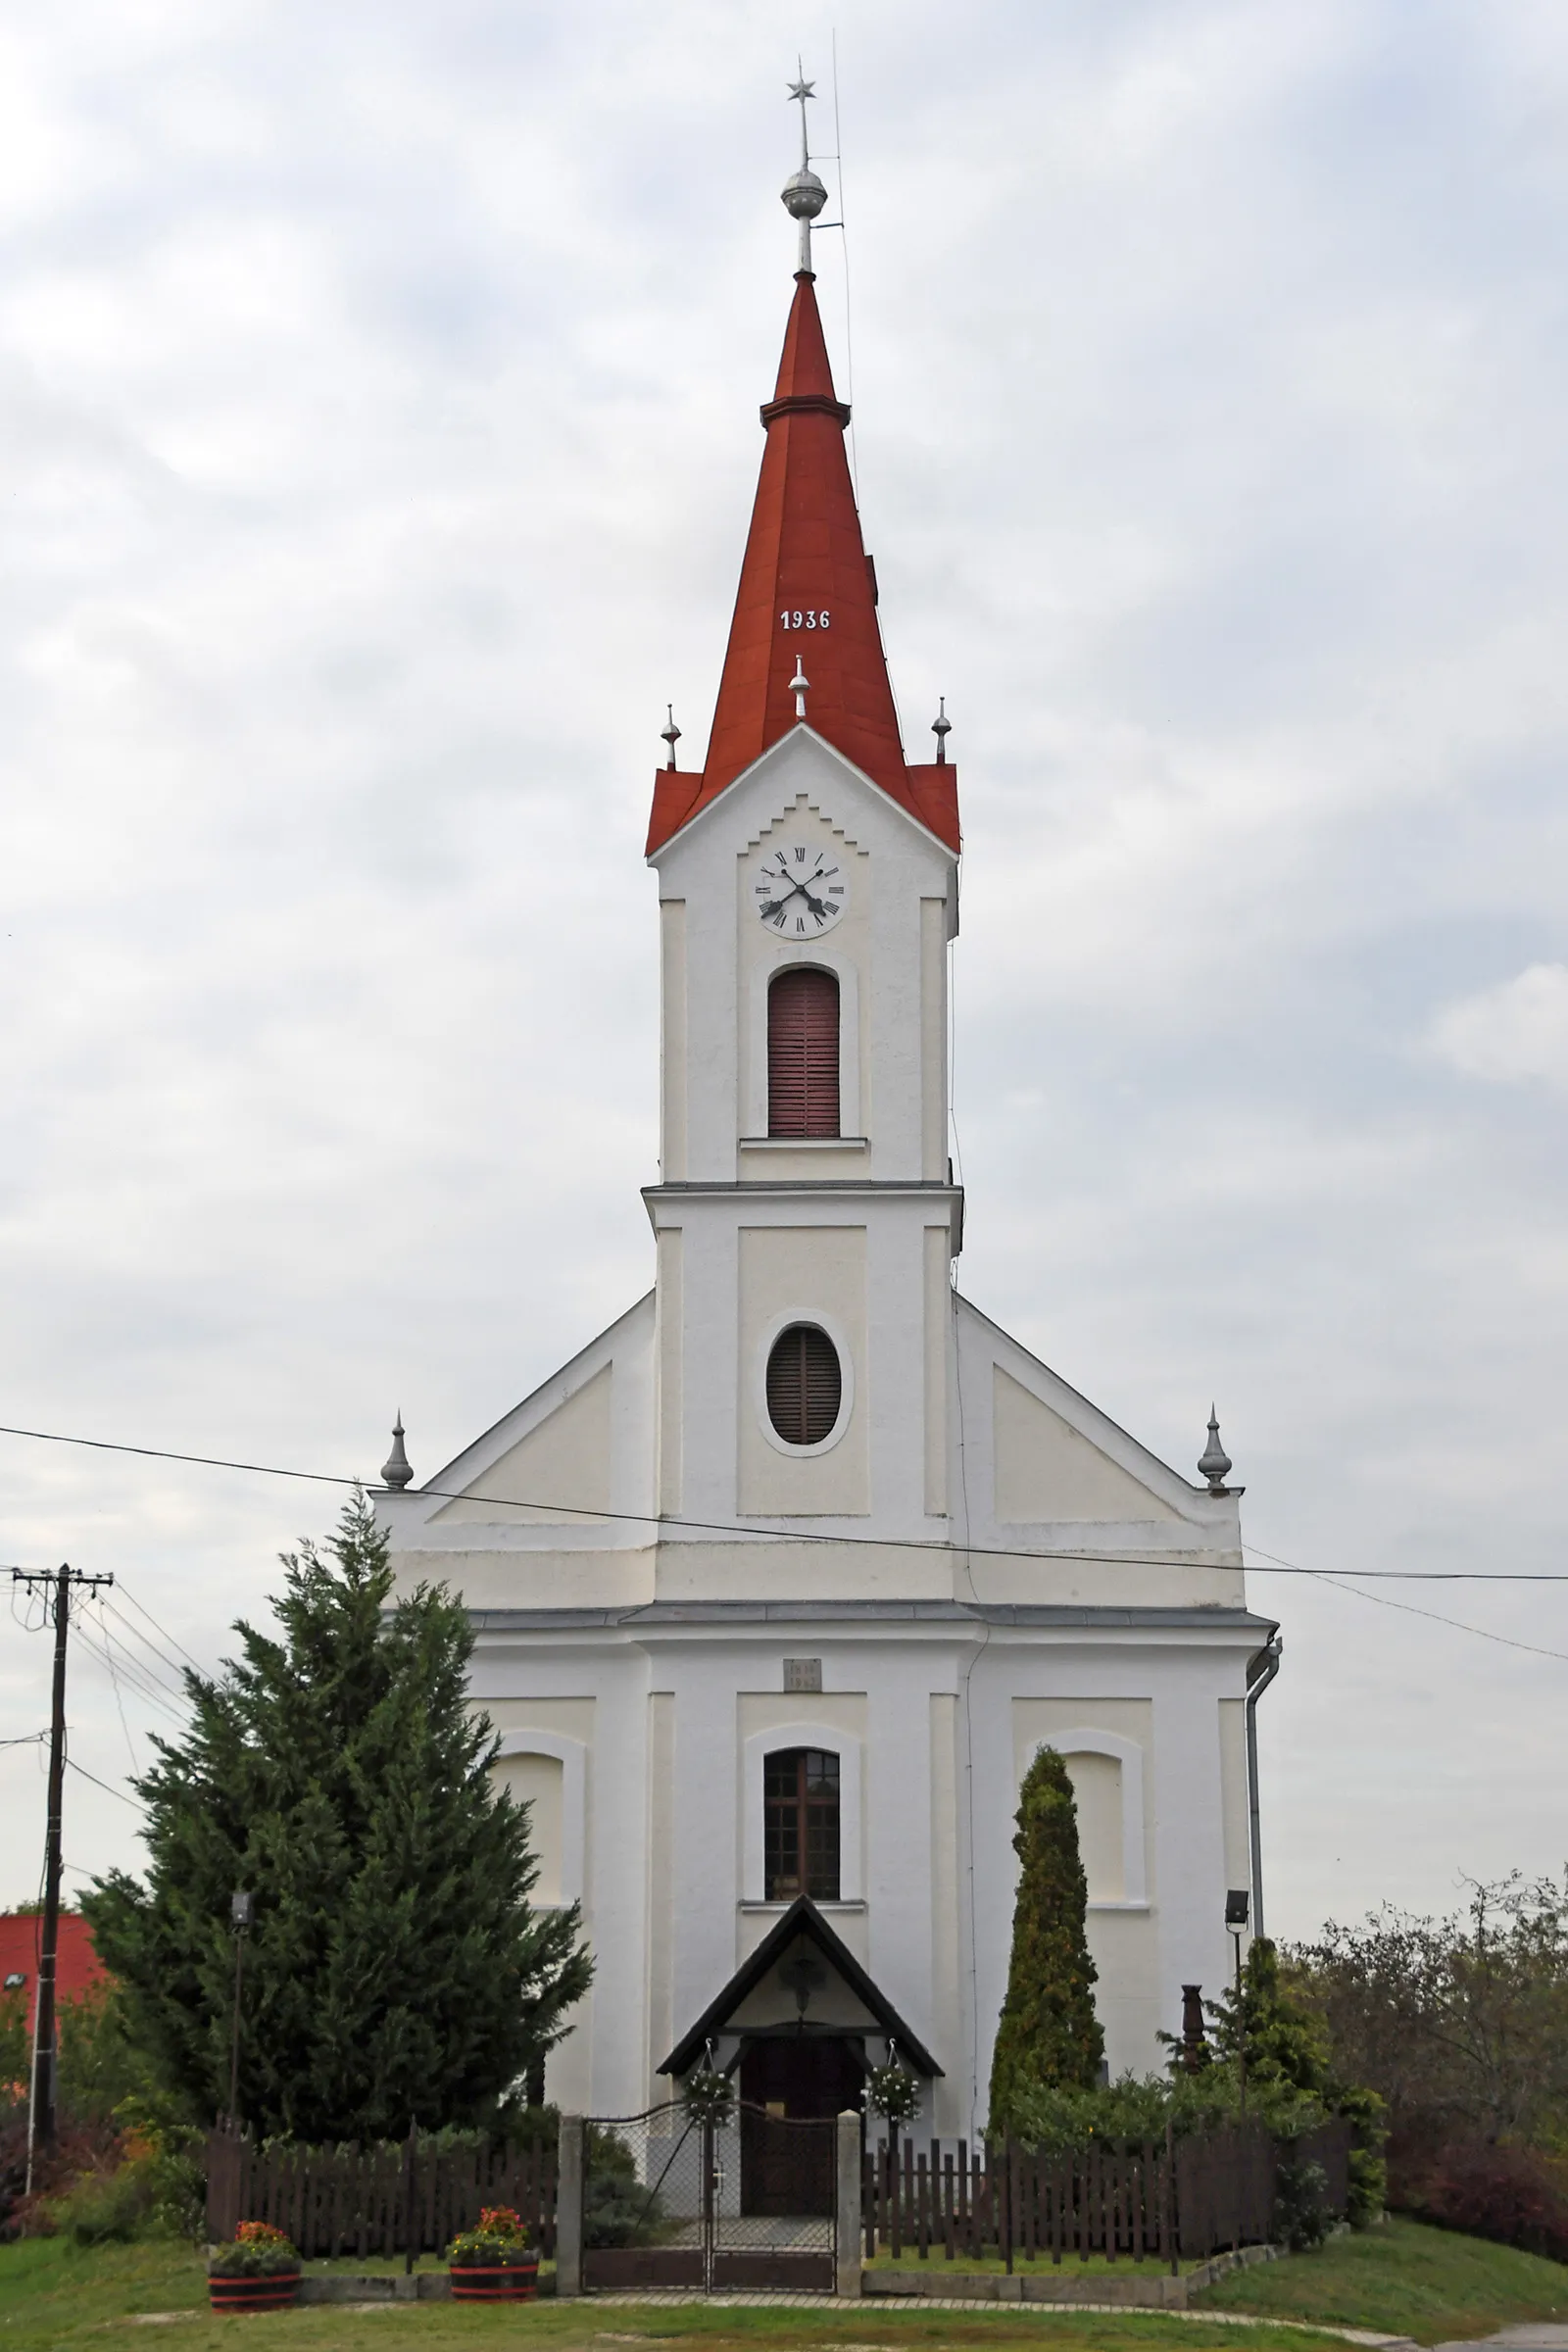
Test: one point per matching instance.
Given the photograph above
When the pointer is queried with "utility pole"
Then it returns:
(41, 2092)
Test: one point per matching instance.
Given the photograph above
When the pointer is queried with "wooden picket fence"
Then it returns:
(1186, 2199)
(392, 2198)
(1182, 2200)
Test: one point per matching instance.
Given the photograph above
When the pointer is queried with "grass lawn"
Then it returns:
(53, 2295)
(1401, 2279)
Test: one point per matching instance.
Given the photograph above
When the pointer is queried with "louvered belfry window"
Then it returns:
(805, 1384)
(803, 1053)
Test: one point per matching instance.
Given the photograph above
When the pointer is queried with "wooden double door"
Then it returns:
(792, 2088)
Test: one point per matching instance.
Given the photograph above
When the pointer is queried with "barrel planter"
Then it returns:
(270, 2291)
(495, 2282)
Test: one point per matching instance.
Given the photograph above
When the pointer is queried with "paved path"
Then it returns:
(1534, 2335)
(975, 2306)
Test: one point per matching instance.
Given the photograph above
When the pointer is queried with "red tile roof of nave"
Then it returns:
(805, 555)
(76, 1962)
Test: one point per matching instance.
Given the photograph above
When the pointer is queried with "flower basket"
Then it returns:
(273, 2290)
(710, 2097)
(493, 2263)
(260, 2270)
(514, 2282)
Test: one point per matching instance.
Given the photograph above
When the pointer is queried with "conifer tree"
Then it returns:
(1285, 2042)
(1049, 2038)
(396, 1971)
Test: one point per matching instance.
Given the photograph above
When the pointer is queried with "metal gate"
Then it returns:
(671, 2202)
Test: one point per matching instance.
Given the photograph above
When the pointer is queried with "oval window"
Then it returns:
(805, 1384)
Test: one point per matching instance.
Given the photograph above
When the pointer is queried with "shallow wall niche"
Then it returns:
(550, 1772)
(1106, 1768)
(537, 1782)
(1096, 1787)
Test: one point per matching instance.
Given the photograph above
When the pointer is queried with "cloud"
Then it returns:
(1512, 1034)
(379, 397)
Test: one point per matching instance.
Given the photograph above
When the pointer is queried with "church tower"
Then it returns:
(805, 1215)
(779, 1584)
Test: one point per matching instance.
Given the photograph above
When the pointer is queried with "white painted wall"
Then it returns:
(993, 1561)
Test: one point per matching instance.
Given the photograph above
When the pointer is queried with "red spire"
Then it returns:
(808, 595)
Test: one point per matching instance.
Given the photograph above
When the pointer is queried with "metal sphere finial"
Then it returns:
(800, 687)
(670, 734)
(1215, 1463)
(397, 1471)
(942, 728)
(803, 195)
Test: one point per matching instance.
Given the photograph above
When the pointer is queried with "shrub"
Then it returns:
(1302, 2217)
(1137, 2108)
(16, 2047)
(1514, 2195)
(618, 2209)
(1367, 2188)
(82, 2148)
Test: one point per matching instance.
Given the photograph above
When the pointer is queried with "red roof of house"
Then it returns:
(77, 1963)
(805, 555)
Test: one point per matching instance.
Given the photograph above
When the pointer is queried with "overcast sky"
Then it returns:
(380, 394)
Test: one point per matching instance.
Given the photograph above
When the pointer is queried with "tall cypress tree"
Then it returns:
(1049, 2038)
(396, 1971)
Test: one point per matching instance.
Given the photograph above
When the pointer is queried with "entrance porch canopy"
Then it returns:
(773, 1992)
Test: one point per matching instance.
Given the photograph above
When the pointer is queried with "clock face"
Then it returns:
(800, 893)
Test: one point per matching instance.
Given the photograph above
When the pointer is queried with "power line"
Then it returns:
(1258, 1562)
(73, 1766)
(140, 1677)
(125, 1593)
(120, 1703)
(141, 1683)
(1385, 1600)
(1265, 1564)
(162, 1655)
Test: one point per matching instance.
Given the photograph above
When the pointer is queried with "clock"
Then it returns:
(800, 893)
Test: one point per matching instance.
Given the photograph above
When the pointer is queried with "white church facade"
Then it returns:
(780, 1583)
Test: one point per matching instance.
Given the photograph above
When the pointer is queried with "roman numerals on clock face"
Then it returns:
(800, 892)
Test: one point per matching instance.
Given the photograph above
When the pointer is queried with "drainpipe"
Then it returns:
(1260, 1672)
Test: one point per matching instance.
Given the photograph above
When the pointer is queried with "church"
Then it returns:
(781, 1581)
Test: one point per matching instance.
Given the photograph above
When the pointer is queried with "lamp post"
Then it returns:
(242, 1913)
(1238, 1903)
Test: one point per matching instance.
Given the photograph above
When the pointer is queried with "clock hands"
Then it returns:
(820, 910)
(798, 890)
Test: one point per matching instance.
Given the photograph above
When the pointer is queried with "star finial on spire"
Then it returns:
(804, 193)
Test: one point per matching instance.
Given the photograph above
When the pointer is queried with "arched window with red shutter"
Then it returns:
(803, 1053)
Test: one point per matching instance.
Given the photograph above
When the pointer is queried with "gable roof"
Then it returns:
(803, 1918)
